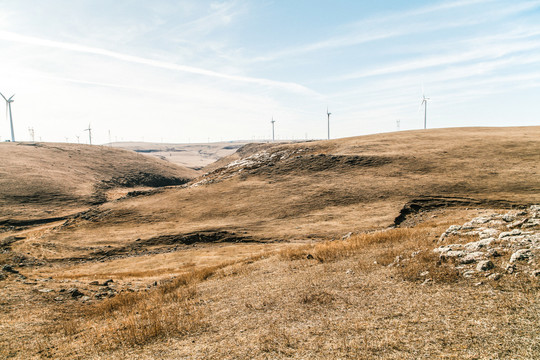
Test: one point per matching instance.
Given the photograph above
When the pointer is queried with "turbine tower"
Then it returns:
(424, 102)
(89, 133)
(8, 108)
(273, 121)
(328, 114)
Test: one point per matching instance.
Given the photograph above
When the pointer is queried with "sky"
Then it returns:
(198, 71)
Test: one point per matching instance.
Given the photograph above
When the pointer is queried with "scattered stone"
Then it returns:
(45, 290)
(452, 254)
(95, 282)
(427, 282)
(349, 272)
(514, 232)
(9, 269)
(516, 224)
(309, 257)
(520, 245)
(2, 277)
(453, 228)
(477, 245)
(451, 247)
(508, 217)
(75, 292)
(478, 283)
(522, 254)
(489, 233)
(510, 268)
(493, 253)
(108, 282)
(472, 257)
(85, 298)
(485, 265)
(59, 298)
(425, 273)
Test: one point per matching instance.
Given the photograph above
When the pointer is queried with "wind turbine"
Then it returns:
(424, 102)
(273, 121)
(8, 107)
(328, 114)
(89, 133)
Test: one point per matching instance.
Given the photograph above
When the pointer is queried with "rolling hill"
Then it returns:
(321, 190)
(417, 244)
(46, 180)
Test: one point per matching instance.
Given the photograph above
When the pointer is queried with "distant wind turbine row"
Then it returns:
(89, 129)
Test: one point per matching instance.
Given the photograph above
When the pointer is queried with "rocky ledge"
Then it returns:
(494, 245)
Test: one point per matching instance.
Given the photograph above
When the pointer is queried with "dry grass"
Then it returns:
(408, 249)
(335, 198)
(328, 299)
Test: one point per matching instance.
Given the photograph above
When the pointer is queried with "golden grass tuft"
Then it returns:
(408, 249)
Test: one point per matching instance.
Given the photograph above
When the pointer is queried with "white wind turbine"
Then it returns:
(89, 133)
(424, 102)
(273, 122)
(8, 108)
(328, 114)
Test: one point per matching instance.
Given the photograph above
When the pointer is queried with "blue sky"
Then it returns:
(179, 71)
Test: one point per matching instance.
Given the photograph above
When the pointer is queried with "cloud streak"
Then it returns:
(29, 40)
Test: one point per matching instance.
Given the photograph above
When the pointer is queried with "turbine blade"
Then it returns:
(3, 96)
(11, 97)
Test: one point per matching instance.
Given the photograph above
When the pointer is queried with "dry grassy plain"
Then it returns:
(242, 263)
(193, 156)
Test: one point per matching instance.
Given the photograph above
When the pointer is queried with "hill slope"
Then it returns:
(325, 189)
(44, 180)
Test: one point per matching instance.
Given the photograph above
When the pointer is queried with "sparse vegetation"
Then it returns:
(118, 282)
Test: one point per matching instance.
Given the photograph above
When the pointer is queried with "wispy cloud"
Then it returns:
(493, 51)
(13, 37)
(401, 24)
(376, 28)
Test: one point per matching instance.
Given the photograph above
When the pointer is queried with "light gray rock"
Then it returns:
(469, 274)
(480, 244)
(453, 254)
(520, 255)
(453, 228)
(494, 277)
(510, 268)
(516, 224)
(484, 265)
(446, 248)
(514, 232)
(489, 233)
(509, 217)
(472, 257)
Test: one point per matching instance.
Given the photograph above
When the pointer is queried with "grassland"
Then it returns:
(249, 262)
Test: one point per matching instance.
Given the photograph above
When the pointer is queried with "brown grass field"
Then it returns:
(279, 251)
